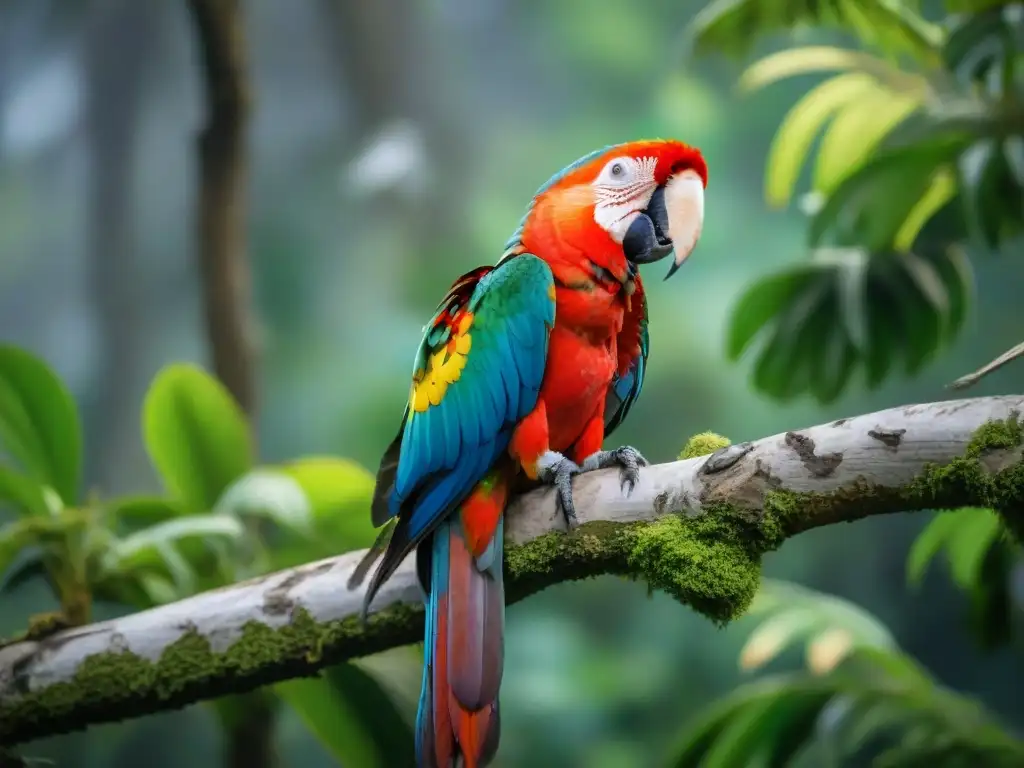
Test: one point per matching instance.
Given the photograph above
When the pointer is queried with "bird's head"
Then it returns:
(619, 207)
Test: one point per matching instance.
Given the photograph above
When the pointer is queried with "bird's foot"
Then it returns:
(628, 459)
(555, 469)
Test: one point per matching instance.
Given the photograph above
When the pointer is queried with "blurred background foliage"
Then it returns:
(392, 147)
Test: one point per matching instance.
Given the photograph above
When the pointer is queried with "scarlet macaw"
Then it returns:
(524, 369)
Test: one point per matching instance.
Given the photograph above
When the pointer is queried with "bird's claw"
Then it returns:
(555, 469)
(628, 459)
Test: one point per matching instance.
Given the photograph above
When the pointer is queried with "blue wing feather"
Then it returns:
(446, 447)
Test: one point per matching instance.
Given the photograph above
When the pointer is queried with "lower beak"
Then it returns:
(672, 221)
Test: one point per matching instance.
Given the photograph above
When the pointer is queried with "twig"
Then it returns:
(973, 378)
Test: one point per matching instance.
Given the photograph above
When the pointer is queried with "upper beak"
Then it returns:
(672, 221)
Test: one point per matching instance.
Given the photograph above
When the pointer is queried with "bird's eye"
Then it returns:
(617, 170)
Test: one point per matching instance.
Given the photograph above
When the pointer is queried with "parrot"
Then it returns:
(524, 370)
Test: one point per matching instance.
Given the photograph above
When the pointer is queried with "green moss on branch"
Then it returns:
(989, 474)
(702, 444)
(118, 684)
(710, 561)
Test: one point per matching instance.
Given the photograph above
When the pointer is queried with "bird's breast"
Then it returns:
(582, 358)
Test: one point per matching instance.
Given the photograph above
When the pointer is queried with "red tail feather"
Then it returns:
(459, 714)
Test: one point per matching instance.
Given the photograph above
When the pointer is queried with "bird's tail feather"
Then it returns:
(458, 722)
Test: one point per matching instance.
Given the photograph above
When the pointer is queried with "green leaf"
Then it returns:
(781, 369)
(25, 496)
(852, 286)
(777, 727)
(802, 124)
(774, 635)
(195, 434)
(941, 190)
(271, 494)
(20, 535)
(733, 26)
(977, 41)
(867, 102)
(351, 716)
(759, 709)
(922, 307)
(39, 421)
(135, 512)
(158, 548)
(761, 302)
(875, 698)
(928, 544)
(954, 269)
(399, 674)
(873, 202)
(811, 59)
(974, 533)
(26, 564)
(797, 613)
(993, 609)
(858, 309)
(857, 130)
(339, 492)
(991, 192)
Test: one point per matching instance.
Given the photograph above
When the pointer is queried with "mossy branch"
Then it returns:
(696, 528)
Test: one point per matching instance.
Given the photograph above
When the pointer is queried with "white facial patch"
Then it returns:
(623, 189)
(684, 202)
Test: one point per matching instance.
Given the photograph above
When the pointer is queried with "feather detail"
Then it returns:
(633, 345)
(477, 373)
(464, 640)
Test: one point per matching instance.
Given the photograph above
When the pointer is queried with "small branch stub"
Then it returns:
(973, 378)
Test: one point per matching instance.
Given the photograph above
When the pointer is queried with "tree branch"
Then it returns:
(696, 528)
(224, 271)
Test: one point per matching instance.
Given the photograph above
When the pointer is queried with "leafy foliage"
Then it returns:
(933, 120)
(195, 434)
(352, 714)
(211, 529)
(39, 425)
(862, 698)
(730, 25)
(981, 559)
(846, 308)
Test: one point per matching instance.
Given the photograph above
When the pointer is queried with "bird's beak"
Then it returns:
(672, 221)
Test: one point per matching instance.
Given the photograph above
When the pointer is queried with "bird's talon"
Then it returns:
(555, 469)
(628, 459)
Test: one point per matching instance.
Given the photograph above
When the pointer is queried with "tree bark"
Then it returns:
(696, 528)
